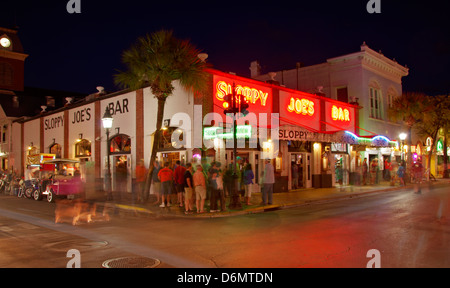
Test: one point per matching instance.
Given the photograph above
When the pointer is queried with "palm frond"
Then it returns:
(159, 59)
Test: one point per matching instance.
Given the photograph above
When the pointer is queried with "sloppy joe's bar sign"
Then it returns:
(53, 122)
(339, 116)
(258, 97)
(289, 134)
(294, 133)
(299, 107)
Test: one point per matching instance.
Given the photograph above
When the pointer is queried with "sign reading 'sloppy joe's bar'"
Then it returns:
(258, 97)
(301, 109)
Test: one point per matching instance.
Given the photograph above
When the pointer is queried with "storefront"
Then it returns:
(304, 135)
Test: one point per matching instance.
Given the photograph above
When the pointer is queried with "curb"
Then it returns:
(136, 210)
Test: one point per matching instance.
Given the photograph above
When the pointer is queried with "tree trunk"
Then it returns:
(156, 138)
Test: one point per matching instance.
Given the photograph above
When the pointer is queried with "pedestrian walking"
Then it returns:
(373, 171)
(165, 175)
(365, 171)
(212, 174)
(401, 173)
(200, 189)
(156, 183)
(141, 173)
(394, 169)
(121, 179)
(294, 171)
(418, 174)
(178, 175)
(220, 189)
(216, 183)
(188, 190)
(269, 180)
(388, 171)
(248, 183)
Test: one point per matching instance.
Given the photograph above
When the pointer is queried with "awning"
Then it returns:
(371, 141)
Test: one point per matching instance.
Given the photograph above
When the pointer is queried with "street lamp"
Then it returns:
(107, 122)
(233, 108)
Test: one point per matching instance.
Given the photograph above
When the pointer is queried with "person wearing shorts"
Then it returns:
(166, 177)
(188, 190)
(200, 189)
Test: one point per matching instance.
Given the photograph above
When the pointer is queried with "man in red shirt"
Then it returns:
(178, 176)
(165, 175)
(141, 173)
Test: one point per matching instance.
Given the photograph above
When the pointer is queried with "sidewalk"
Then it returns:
(293, 198)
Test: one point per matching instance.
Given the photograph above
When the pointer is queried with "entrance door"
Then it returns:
(341, 169)
(121, 173)
(303, 163)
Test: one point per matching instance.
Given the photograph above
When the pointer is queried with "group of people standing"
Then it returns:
(393, 171)
(207, 182)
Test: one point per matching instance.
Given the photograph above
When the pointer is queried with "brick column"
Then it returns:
(139, 125)
(66, 134)
(97, 135)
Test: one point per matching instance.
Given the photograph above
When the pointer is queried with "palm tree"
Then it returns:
(156, 60)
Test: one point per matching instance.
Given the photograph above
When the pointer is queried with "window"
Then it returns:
(83, 148)
(120, 144)
(391, 95)
(375, 101)
(50, 101)
(342, 94)
(5, 128)
(56, 149)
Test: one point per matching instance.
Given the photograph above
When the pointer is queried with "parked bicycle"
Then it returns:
(27, 187)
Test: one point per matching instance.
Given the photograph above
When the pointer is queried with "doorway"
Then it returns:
(121, 173)
(302, 163)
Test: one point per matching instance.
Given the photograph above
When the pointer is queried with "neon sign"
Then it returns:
(252, 95)
(378, 140)
(242, 131)
(339, 114)
(301, 106)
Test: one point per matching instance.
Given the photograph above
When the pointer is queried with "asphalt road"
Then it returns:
(406, 229)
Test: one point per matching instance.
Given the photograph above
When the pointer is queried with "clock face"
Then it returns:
(5, 42)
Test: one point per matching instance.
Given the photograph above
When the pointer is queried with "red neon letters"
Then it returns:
(301, 106)
(339, 114)
(252, 95)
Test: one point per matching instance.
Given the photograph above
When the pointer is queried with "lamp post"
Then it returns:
(402, 139)
(233, 108)
(107, 122)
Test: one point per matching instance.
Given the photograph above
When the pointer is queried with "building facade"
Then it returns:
(366, 78)
(290, 127)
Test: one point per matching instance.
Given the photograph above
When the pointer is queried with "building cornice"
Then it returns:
(375, 62)
(13, 55)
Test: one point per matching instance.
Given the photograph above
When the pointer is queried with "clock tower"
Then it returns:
(12, 60)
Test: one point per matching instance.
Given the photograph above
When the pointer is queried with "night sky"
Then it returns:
(77, 52)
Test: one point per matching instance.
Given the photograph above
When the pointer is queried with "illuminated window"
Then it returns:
(56, 149)
(83, 148)
(376, 102)
(120, 144)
